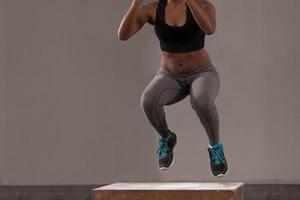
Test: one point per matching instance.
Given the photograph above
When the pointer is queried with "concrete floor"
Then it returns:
(83, 192)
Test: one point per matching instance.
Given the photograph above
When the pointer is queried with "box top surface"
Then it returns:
(172, 186)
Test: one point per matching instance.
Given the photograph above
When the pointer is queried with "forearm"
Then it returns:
(206, 23)
(129, 20)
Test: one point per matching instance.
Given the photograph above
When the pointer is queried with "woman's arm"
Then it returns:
(133, 21)
(204, 13)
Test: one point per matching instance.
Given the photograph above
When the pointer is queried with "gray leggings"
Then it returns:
(167, 88)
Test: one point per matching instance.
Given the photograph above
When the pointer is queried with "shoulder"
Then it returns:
(150, 10)
(206, 5)
(149, 7)
(153, 4)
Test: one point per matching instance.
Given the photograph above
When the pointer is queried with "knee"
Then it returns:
(147, 101)
(201, 102)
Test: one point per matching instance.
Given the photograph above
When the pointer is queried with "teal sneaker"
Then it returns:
(218, 162)
(165, 151)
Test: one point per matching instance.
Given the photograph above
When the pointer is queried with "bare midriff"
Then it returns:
(185, 63)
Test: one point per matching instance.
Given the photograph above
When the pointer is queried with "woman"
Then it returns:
(185, 69)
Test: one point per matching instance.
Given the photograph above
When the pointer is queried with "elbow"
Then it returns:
(122, 36)
(210, 31)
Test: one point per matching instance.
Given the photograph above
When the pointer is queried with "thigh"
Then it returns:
(206, 85)
(163, 89)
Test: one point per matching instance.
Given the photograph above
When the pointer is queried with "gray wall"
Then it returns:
(70, 95)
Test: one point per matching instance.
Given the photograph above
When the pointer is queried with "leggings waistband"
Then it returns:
(189, 74)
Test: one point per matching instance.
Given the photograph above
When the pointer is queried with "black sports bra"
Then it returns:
(175, 39)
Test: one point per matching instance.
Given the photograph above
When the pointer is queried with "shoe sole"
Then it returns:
(164, 168)
(222, 175)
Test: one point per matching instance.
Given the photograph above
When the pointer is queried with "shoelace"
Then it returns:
(216, 155)
(163, 147)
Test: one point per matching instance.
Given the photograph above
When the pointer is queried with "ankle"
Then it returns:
(168, 134)
(211, 145)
